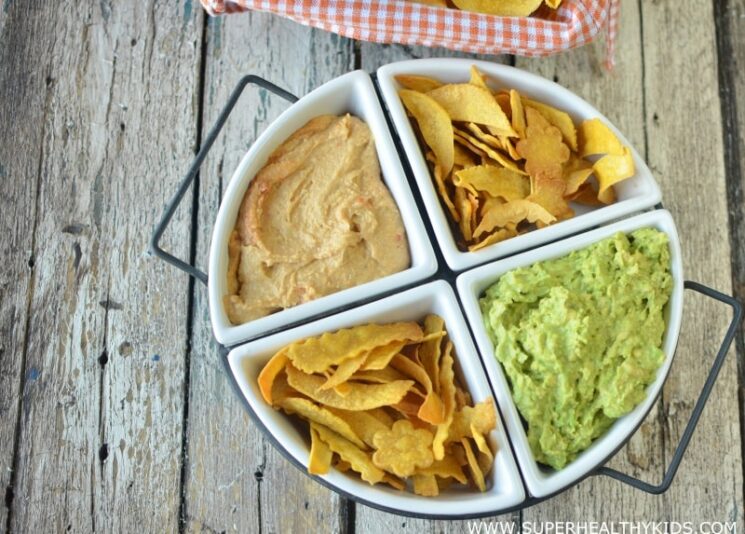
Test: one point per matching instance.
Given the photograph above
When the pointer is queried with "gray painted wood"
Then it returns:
(23, 74)
(100, 106)
(691, 173)
(100, 429)
(235, 479)
(729, 17)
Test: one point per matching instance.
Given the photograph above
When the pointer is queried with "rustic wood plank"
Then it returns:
(22, 79)
(681, 74)
(729, 17)
(620, 96)
(100, 441)
(369, 519)
(235, 479)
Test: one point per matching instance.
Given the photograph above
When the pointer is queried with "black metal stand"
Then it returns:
(446, 273)
(194, 170)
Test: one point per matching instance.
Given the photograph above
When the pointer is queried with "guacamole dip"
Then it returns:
(579, 338)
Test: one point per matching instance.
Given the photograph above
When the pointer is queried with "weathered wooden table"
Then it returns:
(115, 414)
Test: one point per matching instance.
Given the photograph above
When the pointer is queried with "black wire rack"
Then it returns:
(443, 273)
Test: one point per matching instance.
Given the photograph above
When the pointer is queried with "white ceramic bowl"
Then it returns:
(634, 195)
(352, 93)
(543, 481)
(505, 489)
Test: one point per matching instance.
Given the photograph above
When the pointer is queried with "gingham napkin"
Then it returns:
(575, 23)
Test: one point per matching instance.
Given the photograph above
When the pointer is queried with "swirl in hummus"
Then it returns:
(316, 219)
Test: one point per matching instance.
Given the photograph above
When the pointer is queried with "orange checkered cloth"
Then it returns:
(573, 24)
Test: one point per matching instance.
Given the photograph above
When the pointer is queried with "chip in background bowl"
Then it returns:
(634, 194)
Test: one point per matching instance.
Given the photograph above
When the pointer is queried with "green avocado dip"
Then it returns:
(579, 338)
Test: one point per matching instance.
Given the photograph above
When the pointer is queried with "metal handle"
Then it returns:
(194, 169)
(700, 403)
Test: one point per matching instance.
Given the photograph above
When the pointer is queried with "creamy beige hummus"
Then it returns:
(316, 219)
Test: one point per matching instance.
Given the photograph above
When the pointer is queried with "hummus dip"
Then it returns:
(316, 219)
(579, 338)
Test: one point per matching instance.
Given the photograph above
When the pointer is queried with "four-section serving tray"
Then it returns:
(442, 280)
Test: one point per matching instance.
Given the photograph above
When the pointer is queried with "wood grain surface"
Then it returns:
(115, 411)
(235, 480)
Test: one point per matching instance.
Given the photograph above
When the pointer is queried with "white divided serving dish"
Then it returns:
(504, 486)
(352, 93)
(634, 194)
(543, 481)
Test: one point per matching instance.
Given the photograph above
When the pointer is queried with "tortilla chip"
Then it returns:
(318, 354)
(596, 138)
(425, 485)
(361, 396)
(498, 182)
(447, 390)
(557, 118)
(611, 169)
(320, 456)
(501, 8)
(403, 449)
(321, 416)
(357, 459)
(469, 103)
(434, 124)
(421, 84)
(513, 213)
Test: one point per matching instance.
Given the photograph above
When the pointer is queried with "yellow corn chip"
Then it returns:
(269, 374)
(447, 390)
(403, 449)
(477, 78)
(320, 457)
(357, 459)
(363, 424)
(518, 113)
(596, 138)
(608, 196)
(361, 396)
(473, 465)
(557, 118)
(485, 149)
(321, 416)
(421, 84)
(379, 357)
(469, 103)
(429, 351)
(448, 467)
(501, 8)
(496, 181)
(431, 410)
(611, 169)
(463, 157)
(345, 369)
(425, 485)
(482, 417)
(317, 354)
(444, 195)
(434, 123)
(378, 376)
(463, 205)
(542, 148)
(494, 237)
(513, 213)
(549, 193)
